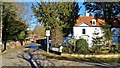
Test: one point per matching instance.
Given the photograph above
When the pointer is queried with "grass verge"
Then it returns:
(79, 59)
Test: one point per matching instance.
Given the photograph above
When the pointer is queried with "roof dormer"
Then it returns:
(93, 22)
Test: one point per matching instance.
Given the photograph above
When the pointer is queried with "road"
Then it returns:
(30, 57)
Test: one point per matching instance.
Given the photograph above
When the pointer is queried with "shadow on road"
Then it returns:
(28, 56)
(43, 44)
(35, 59)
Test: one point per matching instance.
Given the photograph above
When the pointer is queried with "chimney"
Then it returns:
(87, 13)
(81, 15)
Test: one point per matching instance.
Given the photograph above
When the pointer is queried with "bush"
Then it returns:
(104, 49)
(118, 48)
(115, 48)
(67, 49)
(96, 49)
(82, 47)
(72, 43)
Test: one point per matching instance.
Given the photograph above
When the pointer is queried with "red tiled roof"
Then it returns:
(87, 20)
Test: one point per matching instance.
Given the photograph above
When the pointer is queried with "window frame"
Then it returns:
(94, 22)
(83, 31)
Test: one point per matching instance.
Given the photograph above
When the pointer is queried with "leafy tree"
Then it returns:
(57, 16)
(57, 36)
(109, 11)
(12, 27)
(104, 10)
(30, 32)
(39, 30)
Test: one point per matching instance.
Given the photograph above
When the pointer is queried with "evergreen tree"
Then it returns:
(12, 25)
(110, 12)
(57, 16)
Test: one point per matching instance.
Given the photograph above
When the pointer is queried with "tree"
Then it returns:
(30, 32)
(12, 27)
(39, 30)
(104, 10)
(57, 36)
(109, 11)
(57, 16)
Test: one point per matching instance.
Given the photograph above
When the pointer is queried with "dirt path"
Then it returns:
(9, 58)
(30, 57)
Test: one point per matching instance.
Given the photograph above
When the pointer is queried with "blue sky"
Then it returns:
(82, 10)
(33, 21)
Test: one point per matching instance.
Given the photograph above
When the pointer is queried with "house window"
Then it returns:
(96, 31)
(93, 22)
(83, 31)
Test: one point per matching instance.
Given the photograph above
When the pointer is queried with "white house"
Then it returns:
(87, 27)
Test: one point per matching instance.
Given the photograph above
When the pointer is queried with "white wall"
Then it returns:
(83, 24)
(77, 33)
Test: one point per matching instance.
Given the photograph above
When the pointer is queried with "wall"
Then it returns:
(89, 33)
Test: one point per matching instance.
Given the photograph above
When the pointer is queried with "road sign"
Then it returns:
(47, 32)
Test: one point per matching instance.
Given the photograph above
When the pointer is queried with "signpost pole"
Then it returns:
(47, 34)
(47, 44)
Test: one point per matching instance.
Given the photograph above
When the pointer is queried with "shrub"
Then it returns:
(72, 42)
(96, 49)
(82, 46)
(67, 49)
(115, 48)
(104, 49)
(118, 48)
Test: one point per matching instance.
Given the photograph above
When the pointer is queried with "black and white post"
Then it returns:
(47, 34)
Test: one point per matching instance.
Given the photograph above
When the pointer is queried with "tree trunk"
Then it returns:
(1, 24)
(4, 46)
(110, 46)
(74, 46)
(109, 39)
(21, 42)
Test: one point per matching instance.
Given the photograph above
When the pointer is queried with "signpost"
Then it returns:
(47, 34)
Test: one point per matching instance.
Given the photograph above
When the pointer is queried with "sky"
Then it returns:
(33, 21)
